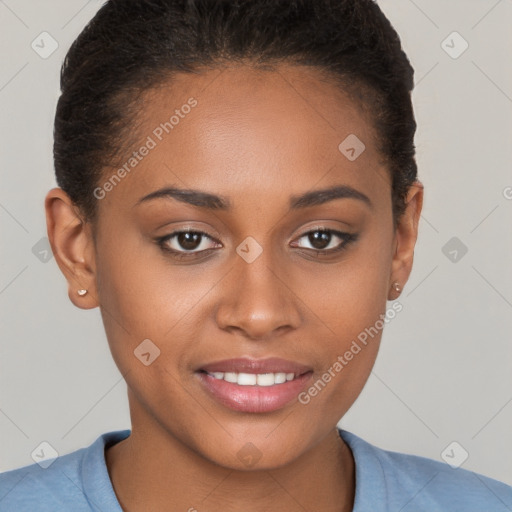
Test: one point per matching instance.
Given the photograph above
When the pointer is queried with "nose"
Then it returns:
(258, 299)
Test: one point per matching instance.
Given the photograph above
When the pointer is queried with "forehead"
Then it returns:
(241, 130)
(303, 99)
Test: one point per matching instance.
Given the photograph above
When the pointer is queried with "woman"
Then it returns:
(238, 194)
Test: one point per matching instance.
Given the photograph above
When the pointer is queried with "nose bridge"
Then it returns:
(257, 299)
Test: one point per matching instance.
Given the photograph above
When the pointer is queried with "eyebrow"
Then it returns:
(218, 202)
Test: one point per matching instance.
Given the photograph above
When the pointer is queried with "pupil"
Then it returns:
(189, 240)
(321, 241)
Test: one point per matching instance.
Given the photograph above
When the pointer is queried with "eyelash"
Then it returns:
(347, 237)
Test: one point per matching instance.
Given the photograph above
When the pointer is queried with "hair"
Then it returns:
(131, 46)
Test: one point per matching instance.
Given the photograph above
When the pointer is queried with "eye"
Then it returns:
(186, 242)
(326, 241)
(193, 243)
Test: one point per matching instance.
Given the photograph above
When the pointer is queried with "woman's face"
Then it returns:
(284, 271)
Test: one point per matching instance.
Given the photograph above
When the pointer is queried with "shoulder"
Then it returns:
(414, 483)
(55, 487)
(60, 484)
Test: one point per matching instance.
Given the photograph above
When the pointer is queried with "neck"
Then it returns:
(152, 470)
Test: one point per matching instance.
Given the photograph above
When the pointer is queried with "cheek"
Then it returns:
(148, 314)
(349, 296)
(350, 310)
(145, 291)
(142, 297)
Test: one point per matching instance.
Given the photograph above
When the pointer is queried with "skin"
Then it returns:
(255, 137)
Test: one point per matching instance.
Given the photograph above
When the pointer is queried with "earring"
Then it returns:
(396, 286)
(81, 292)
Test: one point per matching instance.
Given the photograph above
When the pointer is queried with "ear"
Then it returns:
(72, 244)
(405, 239)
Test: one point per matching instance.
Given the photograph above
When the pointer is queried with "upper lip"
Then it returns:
(247, 365)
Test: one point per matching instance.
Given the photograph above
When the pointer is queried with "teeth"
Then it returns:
(266, 379)
(231, 377)
(246, 379)
(253, 379)
(280, 378)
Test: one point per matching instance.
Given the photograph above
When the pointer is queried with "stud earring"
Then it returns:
(81, 292)
(396, 286)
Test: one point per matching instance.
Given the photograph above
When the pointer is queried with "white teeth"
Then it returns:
(280, 378)
(231, 377)
(266, 379)
(246, 379)
(253, 379)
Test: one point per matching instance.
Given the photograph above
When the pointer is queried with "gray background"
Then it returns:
(444, 370)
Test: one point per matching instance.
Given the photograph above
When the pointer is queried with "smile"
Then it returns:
(253, 379)
(254, 385)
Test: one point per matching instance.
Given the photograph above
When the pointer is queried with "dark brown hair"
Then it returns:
(131, 46)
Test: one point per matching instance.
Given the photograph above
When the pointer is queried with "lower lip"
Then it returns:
(254, 398)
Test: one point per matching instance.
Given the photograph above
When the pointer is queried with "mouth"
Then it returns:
(253, 379)
(255, 386)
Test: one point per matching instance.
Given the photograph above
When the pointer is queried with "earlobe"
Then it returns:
(406, 236)
(73, 247)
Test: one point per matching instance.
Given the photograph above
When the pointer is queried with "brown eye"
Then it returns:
(187, 242)
(326, 240)
(319, 239)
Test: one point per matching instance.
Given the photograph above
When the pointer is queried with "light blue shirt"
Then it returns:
(385, 482)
